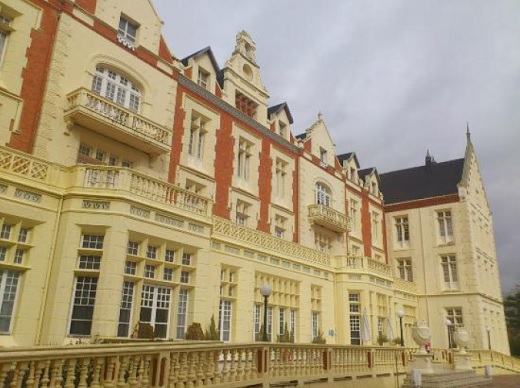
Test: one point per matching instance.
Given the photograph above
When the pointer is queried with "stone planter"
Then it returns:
(461, 338)
(421, 334)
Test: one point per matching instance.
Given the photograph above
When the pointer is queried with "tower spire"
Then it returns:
(468, 134)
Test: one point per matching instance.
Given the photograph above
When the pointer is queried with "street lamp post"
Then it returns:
(400, 315)
(448, 324)
(488, 329)
(266, 291)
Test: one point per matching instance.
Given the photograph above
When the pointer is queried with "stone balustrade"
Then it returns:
(28, 166)
(363, 264)
(329, 217)
(185, 364)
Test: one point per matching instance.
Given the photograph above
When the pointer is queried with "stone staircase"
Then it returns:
(449, 379)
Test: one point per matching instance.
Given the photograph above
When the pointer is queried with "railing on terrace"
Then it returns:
(403, 285)
(266, 241)
(85, 102)
(481, 358)
(362, 264)
(188, 365)
(28, 166)
(116, 178)
(330, 218)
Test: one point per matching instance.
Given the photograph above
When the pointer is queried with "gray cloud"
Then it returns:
(391, 78)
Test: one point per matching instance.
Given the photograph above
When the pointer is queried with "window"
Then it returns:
(322, 193)
(127, 30)
(402, 231)
(89, 262)
(130, 267)
(182, 313)
(293, 324)
(203, 78)
(404, 266)
(281, 321)
(282, 129)
(116, 88)
(186, 259)
(455, 316)
(196, 140)
(149, 271)
(90, 241)
(5, 233)
(256, 322)
(3, 253)
(132, 248)
(125, 309)
(8, 289)
(155, 308)
(314, 325)
(224, 314)
(242, 210)
(243, 159)
(169, 256)
(354, 207)
(185, 277)
(375, 226)
(168, 274)
(323, 157)
(449, 270)
(279, 227)
(281, 173)
(323, 243)
(151, 252)
(83, 308)
(445, 226)
(354, 299)
(23, 236)
(4, 33)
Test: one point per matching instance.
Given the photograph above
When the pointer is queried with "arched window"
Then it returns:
(114, 87)
(322, 194)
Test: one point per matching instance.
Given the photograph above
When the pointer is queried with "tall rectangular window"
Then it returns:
(281, 321)
(125, 309)
(375, 226)
(242, 213)
(445, 226)
(402, 232)
(454, 314)
(256, 321)
(182, 313)
(8, 290)
(293, 324)
(203, 78)
(225, 320)
(269, 323)
(450, 273)
(4, 33)
(196, 140)
(5, 233)
(155, 308)
(83, 307)
(404, 266)
(243, 159)
(281, 173)
(127, 30)
(314, 325)
(355, 317)
(354, 213)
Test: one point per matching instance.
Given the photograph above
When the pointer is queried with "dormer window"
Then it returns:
(203, 78)
(352, 174)
(323, 157)
(373, 188)
(116, 88)
(127, 30)
(282, 129)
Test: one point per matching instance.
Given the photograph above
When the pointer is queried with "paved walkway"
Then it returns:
(505, 381)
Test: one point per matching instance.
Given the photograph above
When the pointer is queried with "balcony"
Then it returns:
(329, 218)
(362, 264)
(98, 114)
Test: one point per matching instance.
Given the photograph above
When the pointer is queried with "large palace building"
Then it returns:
(137, 188)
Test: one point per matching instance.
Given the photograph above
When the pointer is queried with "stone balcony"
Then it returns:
(362, 264)
(329, 218)
(91, 111)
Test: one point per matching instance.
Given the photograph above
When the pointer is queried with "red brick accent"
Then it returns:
(164, 51)
(296, 195)
(366, 226)
(87, 5)
(34, 77)
(422, 203)
(178, 132)
(224, 165)
(307, 145)
(188, 72)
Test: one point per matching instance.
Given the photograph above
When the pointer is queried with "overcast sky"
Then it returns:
(392, 79)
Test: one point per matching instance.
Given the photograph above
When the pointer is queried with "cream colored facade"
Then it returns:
(167, 192)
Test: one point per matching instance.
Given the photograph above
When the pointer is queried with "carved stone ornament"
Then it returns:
(421, 334)
(461, 338)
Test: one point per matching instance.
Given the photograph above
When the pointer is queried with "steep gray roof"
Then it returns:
(428, 181)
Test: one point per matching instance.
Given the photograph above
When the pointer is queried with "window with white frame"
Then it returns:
(242, 213)
(5, 23)
(256, 322)
(125, 309)
(127, 30)
(282, 129)
(92, 241)
(404, 267)
(402, 232)
(151, 252)
(155, 308)
(375, 226)
(5, 233)
(354, 317)
(83, 305)
(281, 321)
(132, 248)
(186, 259)
(203, 78)
(8, 291)
(279, 226)
(444, 222)
(149, 271)
(3, 253)
(225, 320)
(281, 176)
(315, 316)
(243, 159)
(116, 88)
(130, 267)
(323, 157)
(197, 136)
(292, 326)
(450, 272)
(269, 323)
(182, 313)
(354, 213)
(454, 314)
(23, 235)
(322, 242)
(322, 194)
(168, 274)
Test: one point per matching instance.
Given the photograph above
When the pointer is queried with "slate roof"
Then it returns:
(366, 171)
(200, 52)
(347, 156)
(276, 108)
(301, 136)
(433, 180)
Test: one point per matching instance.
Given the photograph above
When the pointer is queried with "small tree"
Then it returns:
(319, 339)
(381, 338)
(286, 337)
(212, 333)
(143, 330)
(195, 332)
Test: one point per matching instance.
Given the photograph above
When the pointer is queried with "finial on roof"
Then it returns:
(468, 134)
(320, 116)
(429, 160)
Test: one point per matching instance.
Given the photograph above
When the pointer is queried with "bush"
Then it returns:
(195, 332)
(286, 337)
(143, 330)
(382, 338)
(212, 333)
(319, 339)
